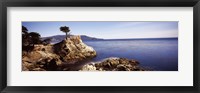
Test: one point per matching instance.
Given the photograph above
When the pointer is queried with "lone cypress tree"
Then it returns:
(65, 29)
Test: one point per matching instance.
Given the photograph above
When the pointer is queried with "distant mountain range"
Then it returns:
(58, 38)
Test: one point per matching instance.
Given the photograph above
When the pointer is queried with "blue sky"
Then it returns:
(107, 30)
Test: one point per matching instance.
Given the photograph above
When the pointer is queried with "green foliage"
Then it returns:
(65, 29)
(29, 39)
(24, 30)
(25, 36)
(34, 38)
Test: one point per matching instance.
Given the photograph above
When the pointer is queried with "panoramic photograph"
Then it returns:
(100, 46)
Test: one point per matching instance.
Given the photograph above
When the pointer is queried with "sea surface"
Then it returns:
(155, 54)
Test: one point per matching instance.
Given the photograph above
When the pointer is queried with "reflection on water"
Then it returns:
(157, 54)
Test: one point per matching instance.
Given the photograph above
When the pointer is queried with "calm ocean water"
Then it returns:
(156, 54)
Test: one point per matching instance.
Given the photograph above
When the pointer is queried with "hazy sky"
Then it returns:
(107, 30)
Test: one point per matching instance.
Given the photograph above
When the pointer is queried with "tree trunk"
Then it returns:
(66, 35)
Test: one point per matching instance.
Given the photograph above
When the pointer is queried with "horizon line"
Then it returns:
(117, 38)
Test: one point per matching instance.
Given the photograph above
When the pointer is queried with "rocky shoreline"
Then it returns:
(72, 54)
(113, 64)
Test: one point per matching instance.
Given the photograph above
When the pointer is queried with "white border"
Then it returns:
(183, 77)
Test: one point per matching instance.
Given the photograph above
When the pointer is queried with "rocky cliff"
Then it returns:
(54, 57)
(73, 49)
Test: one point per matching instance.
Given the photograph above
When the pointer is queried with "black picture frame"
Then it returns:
(98, 3)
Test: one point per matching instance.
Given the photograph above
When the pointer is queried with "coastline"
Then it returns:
(72, 54)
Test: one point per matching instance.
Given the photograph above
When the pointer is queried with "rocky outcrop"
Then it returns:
(53, 57)
(40, 61)
(113, 64)
(74, 50)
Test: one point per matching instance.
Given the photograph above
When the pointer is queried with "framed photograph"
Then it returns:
(100, 46)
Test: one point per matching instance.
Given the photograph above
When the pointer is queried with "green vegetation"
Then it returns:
(65, 29)
(29, 39)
